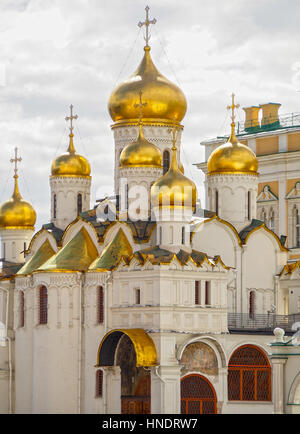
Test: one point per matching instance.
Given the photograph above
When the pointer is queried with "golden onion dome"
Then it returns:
(174, 189)
(71, 164)
(165, 101)
(141, 153)
(16, 213)
(232, 157)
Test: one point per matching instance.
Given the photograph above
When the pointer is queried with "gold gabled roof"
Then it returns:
(77, 255)
(42, 255)
(119, 248)
(290, 268)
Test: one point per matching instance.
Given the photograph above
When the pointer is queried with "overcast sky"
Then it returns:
(58, 52)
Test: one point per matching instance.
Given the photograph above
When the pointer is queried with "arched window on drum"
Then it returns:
(249, 375)
(166, 161)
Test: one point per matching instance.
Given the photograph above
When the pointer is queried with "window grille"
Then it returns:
(100, 305)
(43, 305)
(99, 383)
(249, 375)
(197, 396)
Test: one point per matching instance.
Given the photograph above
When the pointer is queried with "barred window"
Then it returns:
(43, 319)
(100, 305)
(252, 304)
(22, 309)
(99, 383)
(249, 375)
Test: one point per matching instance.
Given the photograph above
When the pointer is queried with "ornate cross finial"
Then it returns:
(16, 160)
(70, 118)
(141, 104)
(147, 23)
(232, 107)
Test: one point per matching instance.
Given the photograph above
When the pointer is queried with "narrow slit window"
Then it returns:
(197, 293)
(22, 309)
(207, 293)
(137, 296)
(79, 204)
(100, 305)
(43, 319)
(99, 383)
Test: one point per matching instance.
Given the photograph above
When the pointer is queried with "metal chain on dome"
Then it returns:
(127, 58)
(59, 146)
(167, 57)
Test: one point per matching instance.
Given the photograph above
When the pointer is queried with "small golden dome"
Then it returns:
(174, 189)
(232, 157)
(164, 99)
(16, 213)
(141, 153)
(71, 164)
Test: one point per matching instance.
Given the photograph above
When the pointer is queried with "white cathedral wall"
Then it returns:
(168, 300)
(47, 356)
(260, 266)
(217, 239)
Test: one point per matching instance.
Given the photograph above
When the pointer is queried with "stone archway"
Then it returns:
(133, 351)
(198, 396)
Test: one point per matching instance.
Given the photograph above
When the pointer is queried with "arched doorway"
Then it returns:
(134, 352)
(198, 396)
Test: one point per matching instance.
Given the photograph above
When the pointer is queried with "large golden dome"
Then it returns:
(232, 158)
(165, 101)
(141, 153)
(71, 164)
(174, 190)
(16, 213)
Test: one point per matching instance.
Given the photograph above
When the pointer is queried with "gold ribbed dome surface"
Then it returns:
(71, 164)
(232, 157)
(165, 101)
(141, 153)
(16, 213)
(174, 189)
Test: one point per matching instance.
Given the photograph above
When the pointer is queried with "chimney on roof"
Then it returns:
(270, 113)
(251, 117)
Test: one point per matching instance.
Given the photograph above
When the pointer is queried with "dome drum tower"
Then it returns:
(233, 180)
(70, 184)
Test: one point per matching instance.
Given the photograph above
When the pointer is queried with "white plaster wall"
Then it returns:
(67, 190)
(14, 240)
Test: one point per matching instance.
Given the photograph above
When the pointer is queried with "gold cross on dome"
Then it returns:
(16, 160)
(232, 107)
(147, 23)
(141, 104)
(70, 118)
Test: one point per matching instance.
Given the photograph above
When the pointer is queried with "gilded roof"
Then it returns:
(119, 248)
(76, 255)
(289, 269)
(164, 99)
(42, 255)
